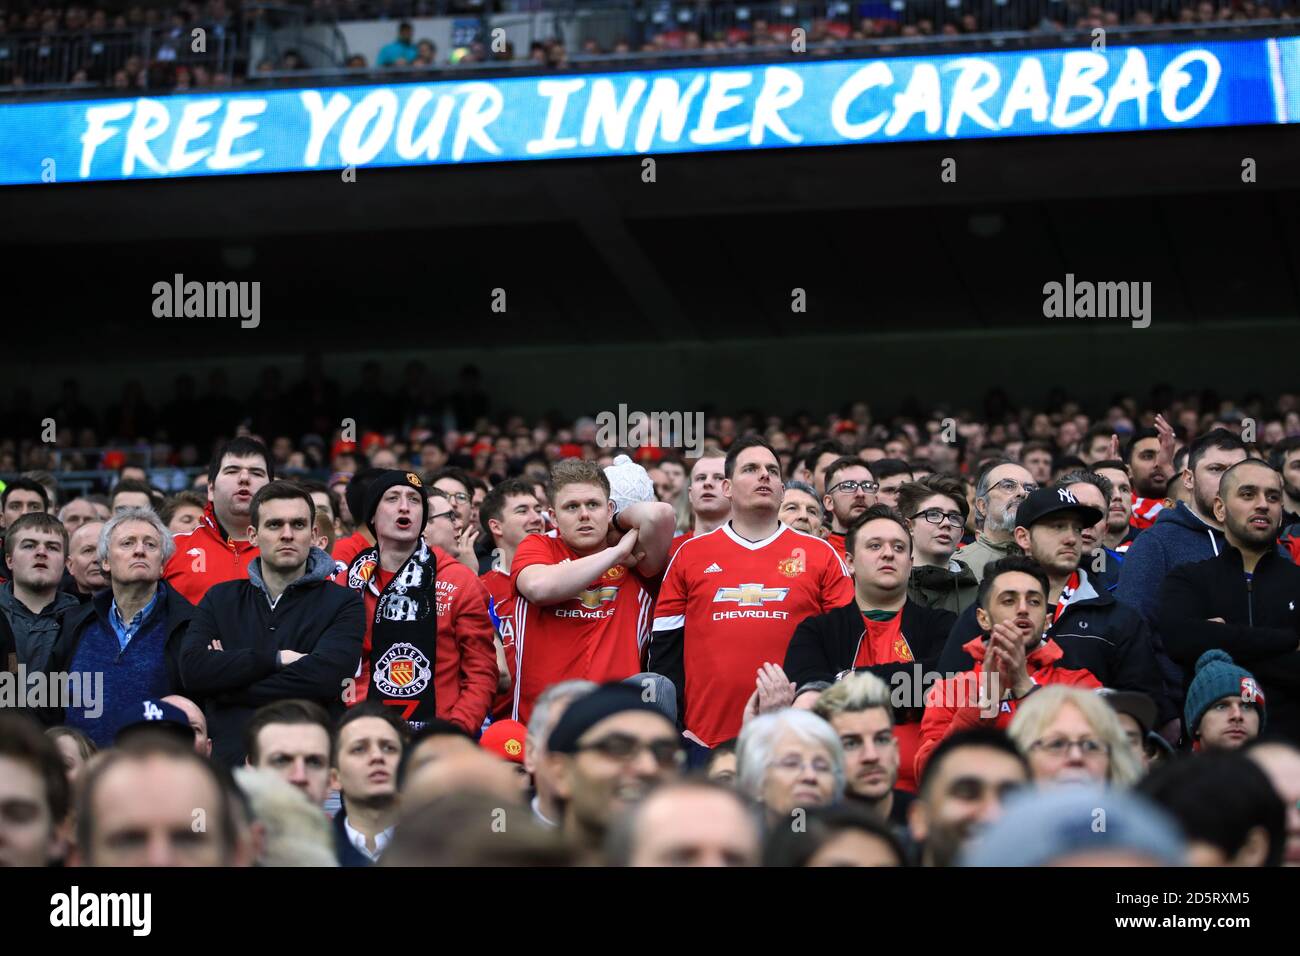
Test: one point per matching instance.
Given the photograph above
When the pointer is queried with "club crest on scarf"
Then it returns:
(402, 672)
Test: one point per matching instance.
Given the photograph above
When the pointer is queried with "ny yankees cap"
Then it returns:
(1049, 501)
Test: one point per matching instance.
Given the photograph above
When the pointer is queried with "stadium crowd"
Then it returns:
(399, 626)
(139, 47)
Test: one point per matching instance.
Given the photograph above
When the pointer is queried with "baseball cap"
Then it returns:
(158, 715)
(1049, 501)
(585, 712)
(505, 739)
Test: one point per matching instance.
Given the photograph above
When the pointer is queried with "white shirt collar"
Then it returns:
(753, 545)
(541, 817)
(358, 839)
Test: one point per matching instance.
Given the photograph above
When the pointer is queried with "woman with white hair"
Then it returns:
(790, 759)
(1071, 736)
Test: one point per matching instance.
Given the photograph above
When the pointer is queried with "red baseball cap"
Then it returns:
(505, 738)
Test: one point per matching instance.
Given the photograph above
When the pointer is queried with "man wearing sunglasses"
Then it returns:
(1002, 485)
(608, 750)
(850, 490)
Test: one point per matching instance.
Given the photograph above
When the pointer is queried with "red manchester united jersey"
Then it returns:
(737, 603)
(597, 635)
(502, 609)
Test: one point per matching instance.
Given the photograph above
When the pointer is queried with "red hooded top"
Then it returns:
(206, 556)
(952, 705)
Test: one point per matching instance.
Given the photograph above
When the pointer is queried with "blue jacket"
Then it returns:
(1177, 537)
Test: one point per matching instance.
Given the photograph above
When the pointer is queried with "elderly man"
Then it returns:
(84, 569)
(130, 632)
(1002, 485)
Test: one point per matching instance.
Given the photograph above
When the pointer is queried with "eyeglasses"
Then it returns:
(623, 748)
(449, 515)
(851, 487)
(1061, 746)
(937, 515)
(1010, 486)
(794, 764)
(457, 496)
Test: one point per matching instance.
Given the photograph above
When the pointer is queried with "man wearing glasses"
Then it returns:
(1002, 485)
(936, 509)
(607, 752)
(850, 490)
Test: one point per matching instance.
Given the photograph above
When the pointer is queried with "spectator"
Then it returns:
(131, 631)
(399, 52)
(36, 548)
(936, 509)
(34, 790)
(136, 808)
(858, 709)
(1226, 806)
(22, 496)
(1225, 705)
(132, 493)
(834, 836)
(75, 748)
(354, 506)
(1013, 661)
(850, 491)
(195, 720)
(1001, 487)
(87, 574)
(789, 762)
(77, 512)
(963, 788)
(801, 509)
(1243, 601)
(218, 549)
(721, 765)
(582, 601)
(368, 745)
(182, 512)
(1137, 719)
(891, 474)
(608, 750)
(710, 508)
(292, 738)
(692, 823)
(436, 740)
(293, 830)
(1187, 533)
(1152, 473)
(284, 632)
(547, 711)
(1120, 532)
(1282, 764)
(1059, 722)
(1036, 456)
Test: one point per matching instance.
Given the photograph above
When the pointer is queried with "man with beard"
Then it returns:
(1120, 532)
(509, 513)
(731, 599)
(968, 779)
(1096, 492)
(1010, 658)
(802, 509)
(709, 507)
(1001, 486)
(858, 708)
(1150, 462)
(1244, 601)
(1093, 631)
(1285, 460)
(218, 549)
(1188, 532)
(850, 490)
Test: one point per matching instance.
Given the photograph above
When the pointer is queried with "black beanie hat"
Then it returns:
(355, 493)
(391, 478)
(590, 709)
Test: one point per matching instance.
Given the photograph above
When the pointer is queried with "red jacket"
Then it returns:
(465, 664)
(206, 556)
(952, 705)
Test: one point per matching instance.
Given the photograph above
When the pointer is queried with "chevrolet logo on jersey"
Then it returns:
(595, 597)
(750, 595)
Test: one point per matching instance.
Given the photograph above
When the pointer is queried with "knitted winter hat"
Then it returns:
(389, 479)
(1218, 677)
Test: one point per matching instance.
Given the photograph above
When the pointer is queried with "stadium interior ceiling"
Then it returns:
(675, 293)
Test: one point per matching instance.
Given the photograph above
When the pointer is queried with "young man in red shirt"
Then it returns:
(509, 513)
(1012, 658)
(583, 604)
(428, 645)
(218, 549)
(731, 599)
(709, 507)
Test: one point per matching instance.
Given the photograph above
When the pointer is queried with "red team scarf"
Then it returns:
(1145, 511)
(1067, 592)
(882, 642)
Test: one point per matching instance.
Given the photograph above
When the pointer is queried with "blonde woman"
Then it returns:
(1070, 735)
